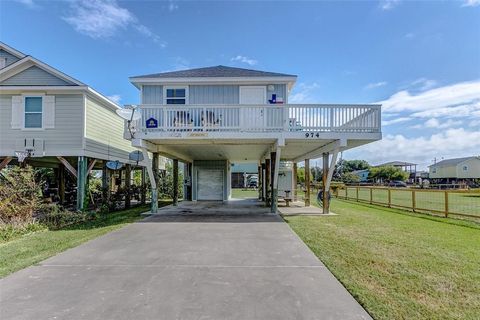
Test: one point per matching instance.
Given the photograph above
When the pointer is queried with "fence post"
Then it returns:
(346, 192)
(357, 194)
(414, 202)
(371, 195)
(389, 197)
(446, 204)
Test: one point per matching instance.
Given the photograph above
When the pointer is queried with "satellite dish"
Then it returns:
(114, 165)
(136, 156)
(129, 114)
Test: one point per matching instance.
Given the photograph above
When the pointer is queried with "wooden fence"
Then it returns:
(439, 202)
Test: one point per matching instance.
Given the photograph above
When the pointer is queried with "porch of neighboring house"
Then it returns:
(67, 181)
(208, 139)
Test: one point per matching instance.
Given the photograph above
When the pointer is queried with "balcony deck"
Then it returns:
(303, 126)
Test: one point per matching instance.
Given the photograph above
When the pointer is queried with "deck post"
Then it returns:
(153, 183)
(267, 182)
(263, 182)
(259, 181)
(105, 184)
(143, 193)
(81, 182)
(307, 182)
(128, 180)
(273, 179)
(61, 183)
(294, 191)
(325, 184)
(175, 182)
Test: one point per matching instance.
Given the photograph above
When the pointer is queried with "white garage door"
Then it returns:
(210, 184)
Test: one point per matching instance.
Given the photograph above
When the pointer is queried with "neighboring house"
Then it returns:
(240, 172)
(449, 170)
(211, 117)
(409, 167)
(362, 174)
(59, 121)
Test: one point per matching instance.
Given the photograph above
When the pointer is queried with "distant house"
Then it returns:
(409, 167)
(240, 172)
(467, 168)
(362, 174)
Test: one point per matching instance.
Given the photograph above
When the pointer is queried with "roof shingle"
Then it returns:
(217, 71)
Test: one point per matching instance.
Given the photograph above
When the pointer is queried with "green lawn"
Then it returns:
(399, 265)
(243, 194)
(37, 246)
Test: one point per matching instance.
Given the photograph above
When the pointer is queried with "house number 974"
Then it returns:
(312, 135)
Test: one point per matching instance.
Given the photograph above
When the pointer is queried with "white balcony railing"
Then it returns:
(261, 118)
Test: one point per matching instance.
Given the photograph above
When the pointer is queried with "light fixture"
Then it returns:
(270, 87)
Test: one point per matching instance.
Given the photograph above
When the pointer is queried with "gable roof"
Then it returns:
(12, 51)
(452, 162)
(214, 72)
(396, 164)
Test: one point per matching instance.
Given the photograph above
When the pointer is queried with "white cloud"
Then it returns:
(105, 18)
(457, 111)
(388, 4)
(243, 59)
(475, 124)
(464, 93)
(302, 93)
(28, 3)
(471, 3)
(434, 123)
(172, 6)
(375, 85)
(396, 120)
(115, 98)
(423, 84)
(450, 143)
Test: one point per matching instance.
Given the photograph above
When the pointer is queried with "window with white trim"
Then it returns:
(175, 95)
(33, 112)
(465, 168)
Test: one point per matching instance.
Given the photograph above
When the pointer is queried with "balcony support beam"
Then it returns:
(335, 144)
(153, 183)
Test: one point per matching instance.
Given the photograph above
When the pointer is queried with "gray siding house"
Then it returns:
(58, 121)
(211, 117)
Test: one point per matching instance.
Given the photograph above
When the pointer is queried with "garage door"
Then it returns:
(210, 184)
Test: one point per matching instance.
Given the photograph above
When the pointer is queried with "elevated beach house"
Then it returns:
(209, 118)
(56, 121)
(456, 170)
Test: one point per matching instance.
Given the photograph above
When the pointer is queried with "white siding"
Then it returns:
(65, 139)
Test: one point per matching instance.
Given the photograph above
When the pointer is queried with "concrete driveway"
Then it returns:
(203, 261)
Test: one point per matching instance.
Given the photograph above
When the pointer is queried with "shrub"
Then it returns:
(55, 217)
(9, 232)
(19, 196)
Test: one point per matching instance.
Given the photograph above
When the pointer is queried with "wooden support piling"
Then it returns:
(273, 187)
(307, 182)
(175, 182)
(128, 182)
(294, 191)
(81, 182)
(267, 182)
(143, 190)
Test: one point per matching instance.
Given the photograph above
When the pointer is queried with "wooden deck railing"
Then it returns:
(261, 118)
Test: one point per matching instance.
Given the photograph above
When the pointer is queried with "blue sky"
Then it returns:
(421, 60)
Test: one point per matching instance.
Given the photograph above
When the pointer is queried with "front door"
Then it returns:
(253, 118)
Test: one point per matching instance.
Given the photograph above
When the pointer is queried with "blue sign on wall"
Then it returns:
(152, 123)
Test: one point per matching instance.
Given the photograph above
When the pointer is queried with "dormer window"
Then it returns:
(175, 95)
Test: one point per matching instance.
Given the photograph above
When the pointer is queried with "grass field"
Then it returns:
(243, 194)
(37, 246)
(399, 265)
(434, 201)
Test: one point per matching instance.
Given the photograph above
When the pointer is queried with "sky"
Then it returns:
(420, 60)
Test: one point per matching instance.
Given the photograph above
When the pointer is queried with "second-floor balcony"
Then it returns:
(307, 118)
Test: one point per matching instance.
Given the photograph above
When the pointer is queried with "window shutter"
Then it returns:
(18, 112)
(49, 112)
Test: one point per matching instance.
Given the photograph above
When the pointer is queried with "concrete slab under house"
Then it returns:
(209, 118)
